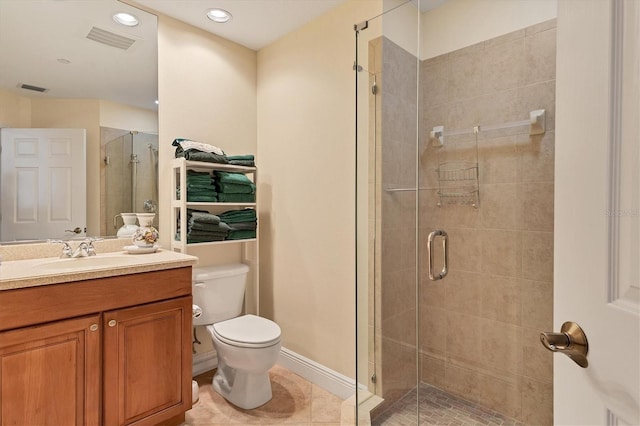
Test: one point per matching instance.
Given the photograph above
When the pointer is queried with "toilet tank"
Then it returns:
(219, 292)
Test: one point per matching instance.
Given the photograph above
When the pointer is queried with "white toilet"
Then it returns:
(247, 345)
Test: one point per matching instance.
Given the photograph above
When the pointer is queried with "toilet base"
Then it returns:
(242, 389)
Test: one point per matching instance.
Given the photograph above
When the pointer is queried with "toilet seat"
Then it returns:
(247, 331)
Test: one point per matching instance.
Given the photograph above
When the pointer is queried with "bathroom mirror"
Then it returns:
(73, 52)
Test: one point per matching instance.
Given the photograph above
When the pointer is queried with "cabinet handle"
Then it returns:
(93, 327)
(112, 323)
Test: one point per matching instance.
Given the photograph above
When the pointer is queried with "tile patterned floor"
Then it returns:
(440, 408)
(295, 402)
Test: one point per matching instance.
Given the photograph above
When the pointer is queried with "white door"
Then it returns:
(597, 233)
(43, 178)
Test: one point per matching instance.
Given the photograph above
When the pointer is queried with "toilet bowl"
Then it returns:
(247, 346)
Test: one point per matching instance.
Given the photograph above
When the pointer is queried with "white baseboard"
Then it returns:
(204, 362)
(331, 381)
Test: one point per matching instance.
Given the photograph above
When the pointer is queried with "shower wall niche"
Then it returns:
(476, 334)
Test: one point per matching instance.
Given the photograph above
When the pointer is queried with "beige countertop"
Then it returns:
(53, 270)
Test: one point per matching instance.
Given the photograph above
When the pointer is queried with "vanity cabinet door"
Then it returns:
(147, 363)
(50, 374)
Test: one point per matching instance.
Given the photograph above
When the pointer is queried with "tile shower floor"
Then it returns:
(295, 402)
(440, 408)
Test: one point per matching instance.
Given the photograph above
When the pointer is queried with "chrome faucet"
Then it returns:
(84, 249)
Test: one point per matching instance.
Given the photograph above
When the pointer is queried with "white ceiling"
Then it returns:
(34, 34)
(255, 23)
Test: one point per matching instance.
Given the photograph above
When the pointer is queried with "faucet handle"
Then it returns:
(66, 248)
(91, 250)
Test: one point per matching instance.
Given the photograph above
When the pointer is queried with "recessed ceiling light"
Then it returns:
(157, 102)
(126, 19)
(218, 15)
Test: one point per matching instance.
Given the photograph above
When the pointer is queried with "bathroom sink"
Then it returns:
(91, 262)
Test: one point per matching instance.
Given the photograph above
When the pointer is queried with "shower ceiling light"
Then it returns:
(218, 15)
(126, 19)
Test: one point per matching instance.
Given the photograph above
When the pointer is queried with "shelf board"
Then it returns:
(178, 244)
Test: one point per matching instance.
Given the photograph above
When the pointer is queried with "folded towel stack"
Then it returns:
(203, 226)
(234, 188)
(242, 223)
(200, 187)
(198, 151)
(242, 160)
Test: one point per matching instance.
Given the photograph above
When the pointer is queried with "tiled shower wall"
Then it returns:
(479, 326)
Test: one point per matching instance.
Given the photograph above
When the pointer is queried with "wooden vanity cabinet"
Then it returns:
(50, 374)
(113, 351)
(144, 378)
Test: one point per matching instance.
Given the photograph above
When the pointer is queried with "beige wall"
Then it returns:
(460, 23)
(15, 111)
(207, 92)
(119, 116)
(306, 157)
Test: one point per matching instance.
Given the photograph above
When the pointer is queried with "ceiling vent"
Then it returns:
(31, 87)
(109, 38)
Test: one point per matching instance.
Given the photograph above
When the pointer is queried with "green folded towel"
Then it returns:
(208, 227)
(241, 235)
(241, 157)
(200, 187)
(234, 188)
(195, 155)
(245, 163)
(199, 180)
(236, 198)
(193, 173)
(243, 226)
(199, 233)
(204, 217)
(236, 216)
(229, 177)
(202, 198)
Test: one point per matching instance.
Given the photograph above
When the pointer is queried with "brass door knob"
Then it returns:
(571, 341)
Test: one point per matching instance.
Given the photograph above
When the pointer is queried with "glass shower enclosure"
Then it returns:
(130, 177)
(455, 140)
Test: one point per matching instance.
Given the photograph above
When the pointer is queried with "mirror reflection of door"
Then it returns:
(130, 178)
(43, 176)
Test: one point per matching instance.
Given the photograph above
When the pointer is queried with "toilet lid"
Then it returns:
(248, 331)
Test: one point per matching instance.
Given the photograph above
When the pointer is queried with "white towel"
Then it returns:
(189, 144)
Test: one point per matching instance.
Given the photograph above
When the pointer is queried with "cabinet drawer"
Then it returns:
(37, 305)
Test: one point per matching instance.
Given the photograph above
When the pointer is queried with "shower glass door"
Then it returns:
(131, 176)
(445, 100)
(386, 71)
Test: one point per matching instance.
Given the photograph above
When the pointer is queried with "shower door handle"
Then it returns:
(445, 249)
